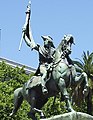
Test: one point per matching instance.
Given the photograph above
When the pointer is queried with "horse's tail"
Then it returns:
(18, 99)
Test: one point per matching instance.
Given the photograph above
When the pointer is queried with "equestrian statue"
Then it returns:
(56, 72)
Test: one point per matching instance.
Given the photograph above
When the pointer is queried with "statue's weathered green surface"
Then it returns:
(59, 75)
(62, 75)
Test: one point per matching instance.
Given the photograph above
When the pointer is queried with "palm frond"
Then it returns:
(88, 53)
(84, 56)
(90, 59)
(78, 70)
(79, 60)
(79, 64)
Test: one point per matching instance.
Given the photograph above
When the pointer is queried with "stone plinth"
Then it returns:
(71, 116)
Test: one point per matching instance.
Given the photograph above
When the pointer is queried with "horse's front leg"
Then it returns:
(82, 78)
(86, 86)
(62, 87)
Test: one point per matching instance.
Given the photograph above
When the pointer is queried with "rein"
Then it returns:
(60, 60)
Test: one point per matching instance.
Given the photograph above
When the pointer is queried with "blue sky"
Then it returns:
(49, 17)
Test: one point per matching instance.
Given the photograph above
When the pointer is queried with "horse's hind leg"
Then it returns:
(80, 79)
(18, 99)
(62, 87)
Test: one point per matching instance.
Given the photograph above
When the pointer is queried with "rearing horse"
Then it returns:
(63, 75)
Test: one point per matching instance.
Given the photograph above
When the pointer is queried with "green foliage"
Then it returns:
(51, 109)
(10, 79)
(60, 108)
(81, 108)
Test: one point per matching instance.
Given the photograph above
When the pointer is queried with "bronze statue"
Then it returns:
(62, 74)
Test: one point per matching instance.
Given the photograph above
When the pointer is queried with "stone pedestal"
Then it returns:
(71, 116)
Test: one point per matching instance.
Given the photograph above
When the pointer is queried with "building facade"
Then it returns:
(15, 64)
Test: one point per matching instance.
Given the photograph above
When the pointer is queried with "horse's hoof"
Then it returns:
(42, 116)
(71, 110)
(86, 91)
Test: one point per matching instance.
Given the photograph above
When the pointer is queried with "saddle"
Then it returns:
(33, 82)
(36, 79)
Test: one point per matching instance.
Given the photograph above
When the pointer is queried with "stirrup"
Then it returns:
(44, 90)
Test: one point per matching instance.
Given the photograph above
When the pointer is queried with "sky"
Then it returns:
(49, 17)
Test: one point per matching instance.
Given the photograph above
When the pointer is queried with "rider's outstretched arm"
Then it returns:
(29, 38)
(27, 33)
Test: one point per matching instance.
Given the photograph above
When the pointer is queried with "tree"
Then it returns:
(11, 79)
(87, 66)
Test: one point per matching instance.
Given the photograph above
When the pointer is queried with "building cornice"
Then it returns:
(28, 69)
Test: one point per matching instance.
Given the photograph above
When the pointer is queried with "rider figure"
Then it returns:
(45, 52)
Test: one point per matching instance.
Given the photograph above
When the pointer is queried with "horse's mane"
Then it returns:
(59, 50)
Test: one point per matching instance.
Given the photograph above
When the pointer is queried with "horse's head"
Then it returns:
(64, 48)
(67, 42)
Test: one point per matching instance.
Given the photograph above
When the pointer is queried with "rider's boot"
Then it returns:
(44, 89)
(43, 81)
